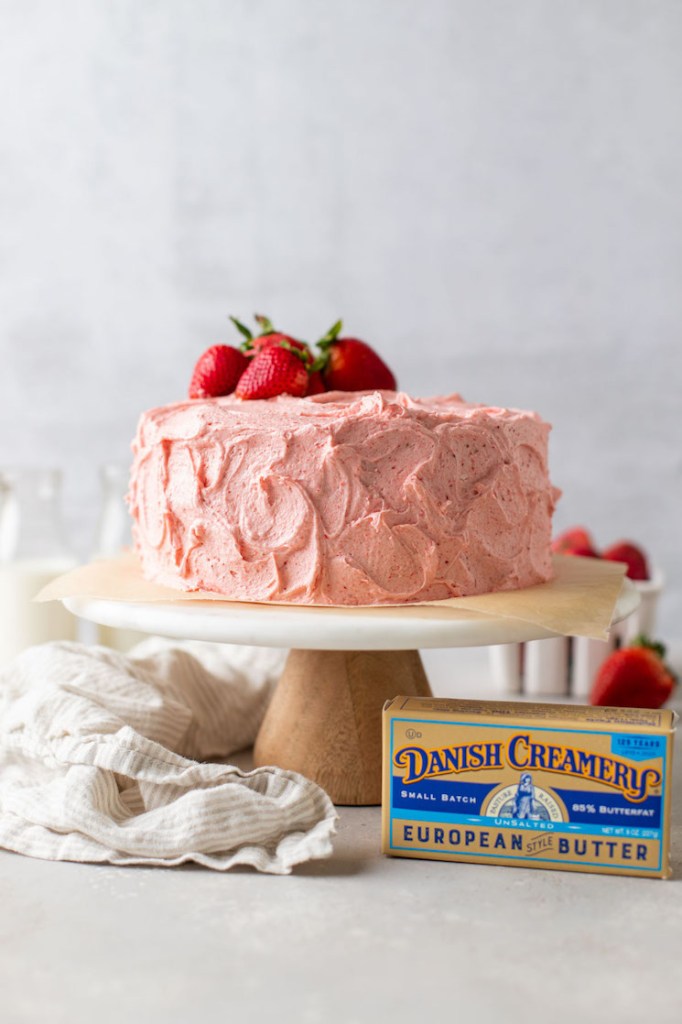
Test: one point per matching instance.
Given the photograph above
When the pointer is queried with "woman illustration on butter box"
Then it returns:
(524, 804)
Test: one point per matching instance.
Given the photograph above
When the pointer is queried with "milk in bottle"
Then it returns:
(33, 551)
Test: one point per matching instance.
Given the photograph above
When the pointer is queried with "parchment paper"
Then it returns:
(580, 601)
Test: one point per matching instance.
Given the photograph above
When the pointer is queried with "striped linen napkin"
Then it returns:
(112, 758)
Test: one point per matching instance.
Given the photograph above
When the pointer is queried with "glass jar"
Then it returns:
(113, 528)
(33, 551)
(112, 539)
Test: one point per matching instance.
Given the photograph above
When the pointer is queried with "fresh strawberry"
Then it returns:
(315, 384)
(349, 364)
(275, 370)
(582, 552)
(634, 558)
(268, 340)
(576, 541)
(217, 372)
(268, 336)
(634, 677)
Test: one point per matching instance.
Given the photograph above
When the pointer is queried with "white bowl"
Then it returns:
(556, 667)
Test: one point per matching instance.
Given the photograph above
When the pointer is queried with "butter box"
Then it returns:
(536, 785)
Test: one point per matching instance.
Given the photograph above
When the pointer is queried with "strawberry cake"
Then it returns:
(351, 497)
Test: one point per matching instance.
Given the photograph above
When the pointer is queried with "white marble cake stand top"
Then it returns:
(307, 628)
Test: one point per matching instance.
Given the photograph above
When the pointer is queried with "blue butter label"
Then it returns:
(568, 797)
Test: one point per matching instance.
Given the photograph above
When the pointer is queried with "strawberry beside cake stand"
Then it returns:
(324, 719)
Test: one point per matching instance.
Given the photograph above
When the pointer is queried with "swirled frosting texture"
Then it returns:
(345, 498)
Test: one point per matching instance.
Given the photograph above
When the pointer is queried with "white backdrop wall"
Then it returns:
(488, 191)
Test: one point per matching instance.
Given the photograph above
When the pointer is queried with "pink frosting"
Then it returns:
(345, 498)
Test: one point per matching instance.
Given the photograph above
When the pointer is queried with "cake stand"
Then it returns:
(324, 719)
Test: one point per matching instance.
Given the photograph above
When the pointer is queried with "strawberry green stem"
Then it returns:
(319, 363)
(330, 337)
(650, 645)
(303, 355)
(656, 648)
(243, 329)
(264, 323)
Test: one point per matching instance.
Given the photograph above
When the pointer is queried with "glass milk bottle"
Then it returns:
(32, 552)
(112, 538)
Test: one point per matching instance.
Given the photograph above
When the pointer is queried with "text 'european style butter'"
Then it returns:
(535, 785)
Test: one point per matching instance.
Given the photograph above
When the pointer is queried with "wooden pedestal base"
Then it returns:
(324, 719)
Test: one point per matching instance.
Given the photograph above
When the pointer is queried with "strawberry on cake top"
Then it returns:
(336, 497)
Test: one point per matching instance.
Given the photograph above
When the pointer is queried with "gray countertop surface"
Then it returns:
(359, 937)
